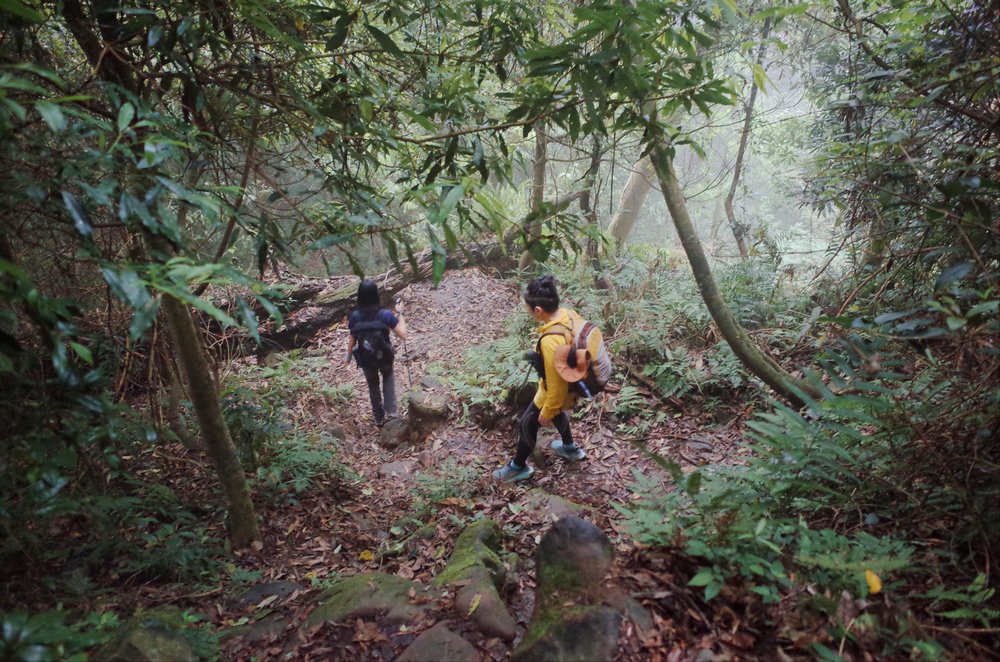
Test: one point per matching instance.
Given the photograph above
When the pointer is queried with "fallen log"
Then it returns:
(311, 309)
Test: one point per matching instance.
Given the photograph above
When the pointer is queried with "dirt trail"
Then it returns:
(347, 531)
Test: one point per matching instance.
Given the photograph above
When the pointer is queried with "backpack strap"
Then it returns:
(369, 325)
(566, 334)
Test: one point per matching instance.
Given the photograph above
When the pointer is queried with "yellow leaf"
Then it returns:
(874, 583)
(367, 555)
(475, 604)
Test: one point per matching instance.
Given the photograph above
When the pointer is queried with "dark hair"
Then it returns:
(368, 294)
(542, 292)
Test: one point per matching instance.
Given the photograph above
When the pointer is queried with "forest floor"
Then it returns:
(345, 529)
(352, 524)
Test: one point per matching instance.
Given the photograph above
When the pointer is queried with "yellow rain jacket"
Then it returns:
(553, 394)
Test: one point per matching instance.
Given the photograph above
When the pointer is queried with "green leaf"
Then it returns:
(249, 319)
(52, 115)
(704, 577)
(693, 483)
(438, 262)
(384, 40)
(18, 9)
(984, 307)
(956, 323)
(125, 116)
(448, 203)
(952, 274)
(759, 77)
(82, 352)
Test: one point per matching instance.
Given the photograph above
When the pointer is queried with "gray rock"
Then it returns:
(401, 470)
(480, 602)
(254, 594)
(430, 381)
(541, 501)
(630, 608)
(439, 644)
(395, 433)
(428, 406)
(262, 630)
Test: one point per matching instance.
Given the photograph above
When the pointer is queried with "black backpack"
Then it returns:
(373, 349)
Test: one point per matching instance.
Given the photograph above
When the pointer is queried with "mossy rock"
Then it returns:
(147, 644)
(367, 595)
(476, 548)
(570, 634)
(573, 558)
(476, 562)
(151, 635)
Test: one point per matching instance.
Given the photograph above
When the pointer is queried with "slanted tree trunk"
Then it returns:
(756, 361)
(533, 229)
(740, 229)
(637, 187)
(243, 530)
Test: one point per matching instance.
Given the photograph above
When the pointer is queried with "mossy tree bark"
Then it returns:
(756, 361)
(243, 529)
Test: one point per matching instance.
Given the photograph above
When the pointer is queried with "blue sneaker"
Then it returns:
(572, 453)
(508, 473)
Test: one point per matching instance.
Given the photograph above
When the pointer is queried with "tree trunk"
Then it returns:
(740, 229)
(243, 530)
(756, 361)
(637, 187)
(533, 229)
(588, 208)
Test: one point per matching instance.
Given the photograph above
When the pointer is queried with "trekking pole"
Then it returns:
(406, 351)
(406, 362)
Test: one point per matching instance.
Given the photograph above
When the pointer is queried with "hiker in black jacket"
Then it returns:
(369, 344)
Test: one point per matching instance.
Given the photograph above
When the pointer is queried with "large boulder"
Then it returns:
(475, 565)
(569, 621)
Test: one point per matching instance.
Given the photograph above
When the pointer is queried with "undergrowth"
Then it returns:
(886, 484)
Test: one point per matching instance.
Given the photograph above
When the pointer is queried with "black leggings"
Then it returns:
(529, 432)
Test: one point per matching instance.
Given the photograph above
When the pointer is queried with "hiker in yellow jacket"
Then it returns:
(553, 397)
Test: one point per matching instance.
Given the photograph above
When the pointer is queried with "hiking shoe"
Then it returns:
(508, 473)
(573, 453)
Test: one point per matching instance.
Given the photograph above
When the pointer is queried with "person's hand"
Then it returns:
(544, 422)
(347, 359)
